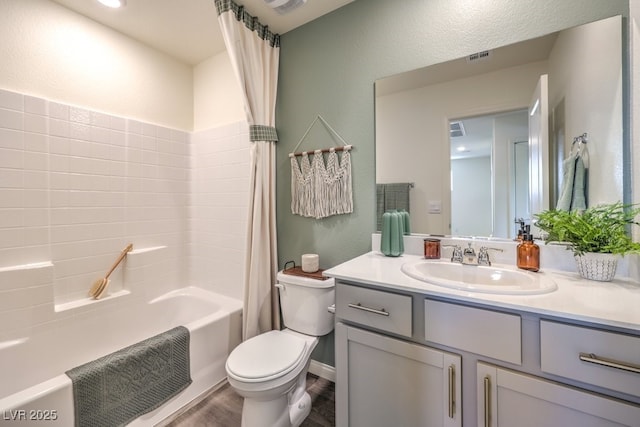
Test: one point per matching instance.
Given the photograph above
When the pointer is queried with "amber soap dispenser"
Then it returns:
(528, 253)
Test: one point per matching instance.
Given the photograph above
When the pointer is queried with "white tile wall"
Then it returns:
(24, 180)
(77, 185)
(220, 168)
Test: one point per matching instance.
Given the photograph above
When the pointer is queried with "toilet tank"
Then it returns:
(304, 303)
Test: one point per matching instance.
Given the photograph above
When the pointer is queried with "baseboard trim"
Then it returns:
(322, 370)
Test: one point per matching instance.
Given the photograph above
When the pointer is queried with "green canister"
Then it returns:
(392, 240)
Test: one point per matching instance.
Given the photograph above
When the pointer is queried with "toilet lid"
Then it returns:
(270, 354)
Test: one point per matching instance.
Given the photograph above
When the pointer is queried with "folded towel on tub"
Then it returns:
(119, 387)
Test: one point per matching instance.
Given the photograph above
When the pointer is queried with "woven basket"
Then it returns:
(597, 266)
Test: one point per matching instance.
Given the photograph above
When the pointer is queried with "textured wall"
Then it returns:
(217, 96)
(329, 66)
(53, 53)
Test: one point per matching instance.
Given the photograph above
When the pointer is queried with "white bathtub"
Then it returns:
(35, 391)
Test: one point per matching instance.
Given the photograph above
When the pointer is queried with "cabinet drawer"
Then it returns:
(378, 309)
(606, 359)
(485, 332)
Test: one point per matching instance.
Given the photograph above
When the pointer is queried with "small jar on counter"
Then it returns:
(432, 248)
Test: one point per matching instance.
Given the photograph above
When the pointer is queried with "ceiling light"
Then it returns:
(461, 149)
(113, 3)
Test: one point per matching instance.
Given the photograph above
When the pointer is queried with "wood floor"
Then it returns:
(223, 407)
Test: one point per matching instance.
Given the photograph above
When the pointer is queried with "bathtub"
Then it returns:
(35, 391)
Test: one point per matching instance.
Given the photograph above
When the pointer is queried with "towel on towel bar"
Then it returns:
(391, 196)
(119, 387)
(573, 192)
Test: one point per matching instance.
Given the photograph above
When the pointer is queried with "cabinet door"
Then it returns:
(507, 398)
(383, 381)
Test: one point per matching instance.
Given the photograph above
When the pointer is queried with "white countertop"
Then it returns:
(614, 304)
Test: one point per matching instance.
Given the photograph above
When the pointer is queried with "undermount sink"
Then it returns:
(495, 279)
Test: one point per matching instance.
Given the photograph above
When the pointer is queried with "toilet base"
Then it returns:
(276, 413)
(300, 410)
(266, 412)
(287, 410)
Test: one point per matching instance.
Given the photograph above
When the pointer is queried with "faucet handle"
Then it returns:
(456, 255)
(483, 255)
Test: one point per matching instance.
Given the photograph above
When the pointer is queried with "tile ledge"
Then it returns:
(84, 302)
(30, 266)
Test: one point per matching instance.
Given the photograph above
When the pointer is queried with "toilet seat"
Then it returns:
(266, 356)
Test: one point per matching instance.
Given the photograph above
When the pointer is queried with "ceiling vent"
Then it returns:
(456, 129)
(479, 56)
(284, 6)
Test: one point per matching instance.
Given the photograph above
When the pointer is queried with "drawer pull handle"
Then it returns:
(452, 391)
(487, 401)
(592, 358)
(359, 306)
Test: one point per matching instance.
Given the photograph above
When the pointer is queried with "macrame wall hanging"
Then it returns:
(319, 190)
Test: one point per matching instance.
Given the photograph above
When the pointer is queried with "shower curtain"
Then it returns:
(255, 52)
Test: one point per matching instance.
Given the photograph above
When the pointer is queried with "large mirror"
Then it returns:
(473, 144)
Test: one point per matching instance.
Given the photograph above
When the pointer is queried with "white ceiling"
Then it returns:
(188, 30)
(479, 137)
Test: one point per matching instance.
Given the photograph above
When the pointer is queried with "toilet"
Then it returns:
(270, 370)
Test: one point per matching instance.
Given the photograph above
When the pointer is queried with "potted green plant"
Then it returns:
(597, 236)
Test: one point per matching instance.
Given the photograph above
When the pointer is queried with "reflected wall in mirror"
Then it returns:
(489, 172)
(414, 112)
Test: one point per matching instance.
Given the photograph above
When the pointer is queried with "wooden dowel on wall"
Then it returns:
(324, 150)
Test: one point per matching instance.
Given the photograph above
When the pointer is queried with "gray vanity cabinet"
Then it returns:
(409, 359)
(386, 381)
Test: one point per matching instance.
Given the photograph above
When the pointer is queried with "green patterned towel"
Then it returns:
(119, 387)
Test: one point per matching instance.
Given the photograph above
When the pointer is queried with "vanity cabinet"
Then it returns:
(410, 359)
(508, 398)
(388, 381)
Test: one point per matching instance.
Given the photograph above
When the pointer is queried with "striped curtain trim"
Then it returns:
(250, 22)
(262, 133)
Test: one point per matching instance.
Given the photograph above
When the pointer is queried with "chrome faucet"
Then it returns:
(483, 255)
(469, 256)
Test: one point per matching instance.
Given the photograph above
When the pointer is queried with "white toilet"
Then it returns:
(270, 370)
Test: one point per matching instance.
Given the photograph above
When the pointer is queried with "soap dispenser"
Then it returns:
(521, 230)
(528, 252)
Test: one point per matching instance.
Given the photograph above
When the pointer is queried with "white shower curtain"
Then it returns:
(255, 52)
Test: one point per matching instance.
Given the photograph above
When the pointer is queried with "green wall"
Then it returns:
(329, 67)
